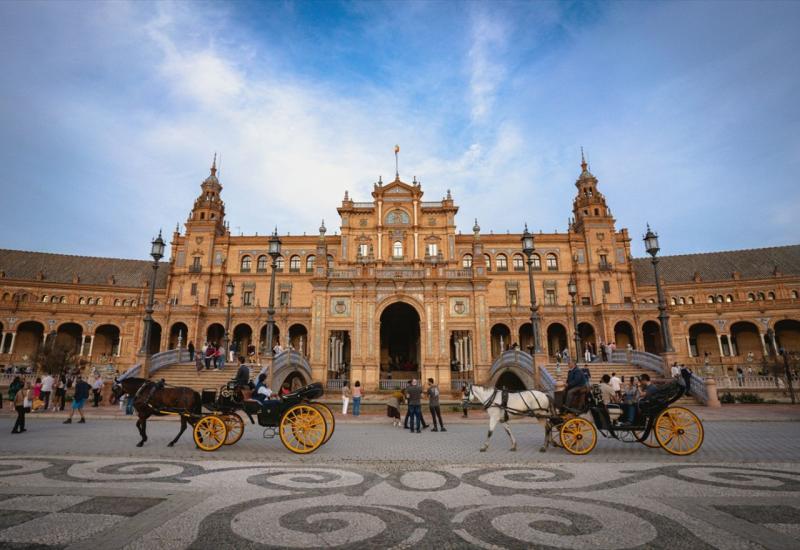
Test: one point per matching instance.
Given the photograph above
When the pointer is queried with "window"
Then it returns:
(466, 261)
(580, 255)
(761, 296)
(363, 250)
(537, 262)
(488, 260)
(246, 261)
(550, 297)
(513, 297)
(213, 302)
(310, 263)
(502, 262)
(117, 302)
(330, 261)
(284, 298)
(586, 301)
(261, 265)
(432, 250)
(719, 299)
(195, 264)
(518, 262)
(90, 301)
(279, 263)
(771, 296)
(651, 301)
(193, 291)
(552, 262)
(794, 295)
(247, 298)
(63, 299)
(751, 297)
(729, 298)
(603, 260)
(673, 301)
(294, 264)
(397, 217)
(691, 300)
(606, 287)
(45, 298)
(99, 301)
(397, 249)
(710, 299)
(682, 301)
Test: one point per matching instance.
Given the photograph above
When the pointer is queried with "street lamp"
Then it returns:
(572, 288)
(157, 247)
(652, 248)
(274, 252)
(527, 248)
(229, 288)
(788, 373)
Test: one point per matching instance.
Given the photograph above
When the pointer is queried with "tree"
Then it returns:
(51, 357)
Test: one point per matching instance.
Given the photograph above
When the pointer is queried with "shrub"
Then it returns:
(749, 398)
(727, 398)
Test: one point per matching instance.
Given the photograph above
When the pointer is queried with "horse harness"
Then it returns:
(504, 404)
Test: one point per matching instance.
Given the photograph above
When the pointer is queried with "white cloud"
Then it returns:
(486, 70)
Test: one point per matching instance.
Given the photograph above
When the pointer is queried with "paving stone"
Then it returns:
(38, 503)
(120, 506)
(9, 518)
(58, 528)
(763, 514)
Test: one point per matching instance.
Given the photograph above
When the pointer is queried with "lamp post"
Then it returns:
(788, 373)
(274, 252)
(157, 252)
(652, 248)
(229, 288)
(527, 248)
(572, 288)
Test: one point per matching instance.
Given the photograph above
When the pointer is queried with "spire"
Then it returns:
(214, 165)
(396, 163)
(583, 161)
(476, 228)
(322, 229)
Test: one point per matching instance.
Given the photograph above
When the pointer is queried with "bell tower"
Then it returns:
(208, 211)
(589, 205)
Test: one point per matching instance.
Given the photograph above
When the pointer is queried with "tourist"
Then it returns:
(433, 403)
(219, 357)
(587, 353)
(648, 388)
(37, 389)
(413, 394)
(686, 374)
(345, 396)
(79, 400)
(208, 354)
(629, 399)
(464, 399)
(190, 347)
(97, 390)
(603, 352)
(675, 370)
(242, 373)
(263, 392)
(20, 396)
(285, 389)
(47, 390)
(616, 384)
(606, 390)
(16, 385)
(740, 376)
(393, 407)
(60, 393)
(358, 393)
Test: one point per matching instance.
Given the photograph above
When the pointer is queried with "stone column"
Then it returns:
(719, 342)
(91, 344)
(688, 346)
(711, 390)
(3, 341)
(763, 344)
(13, 339)
(83, 342)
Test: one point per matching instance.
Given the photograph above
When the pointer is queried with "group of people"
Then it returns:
(50, 393)
(211, 355)
(356, 394)
(682, 372)
(412, 394)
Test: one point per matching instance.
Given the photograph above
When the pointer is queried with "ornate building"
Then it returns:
(400, 292)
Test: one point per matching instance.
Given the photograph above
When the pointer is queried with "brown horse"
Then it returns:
(151, 398)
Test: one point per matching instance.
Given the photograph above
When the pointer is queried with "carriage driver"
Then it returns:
(576, 379)
(242, 374)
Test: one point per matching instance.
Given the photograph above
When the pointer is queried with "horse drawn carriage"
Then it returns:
(301, 424)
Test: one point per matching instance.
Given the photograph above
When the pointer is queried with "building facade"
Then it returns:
(399, 291)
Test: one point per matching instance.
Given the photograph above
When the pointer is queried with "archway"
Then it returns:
(298, 338)
(155, 338)
(242, 338)
(509, 380)
(586, 332)
(623, 335)
(262, 338)
(400, 339)
(30, 335)
(526, 337)
(68, 337)
(556, 339)
(106, 341)
(651, 337)
(702, 340)
(295, 380)
(787, 335)
(215, 334)
(746, 339)
(176, 331)
(501, 339)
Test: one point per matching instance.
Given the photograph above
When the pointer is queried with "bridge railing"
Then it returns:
(546, 381)
(649, 361)
(513, 357)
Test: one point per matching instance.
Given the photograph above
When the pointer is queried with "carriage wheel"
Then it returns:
(578, 436)
(330, 423)
(235, 426)
(210, 433)
(651, 440)
(679, 431)
(302, 429)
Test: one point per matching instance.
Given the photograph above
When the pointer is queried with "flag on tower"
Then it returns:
(396, 149)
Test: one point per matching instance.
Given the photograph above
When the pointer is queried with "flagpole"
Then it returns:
(396, 162)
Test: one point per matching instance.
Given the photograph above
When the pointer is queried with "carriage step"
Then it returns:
(270, 433)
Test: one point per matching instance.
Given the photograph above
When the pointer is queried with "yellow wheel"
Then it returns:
(210, 433)
(302, 429)
(235, 426)
(578, 436)
(651, 439)
(330, 423)
(679, 431)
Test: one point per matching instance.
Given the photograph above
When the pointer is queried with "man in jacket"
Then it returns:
(413, 394)
(576, 381)
(433, 403)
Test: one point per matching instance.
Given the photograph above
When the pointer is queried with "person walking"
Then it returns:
(464, 399)
(190, 347)
(433, 403)
(47, 390)
(413, 395)
(686, 374)
(97, 390)
(345, 397)
(20, 396)
(358, 393)
(79, 400)
(59, 392)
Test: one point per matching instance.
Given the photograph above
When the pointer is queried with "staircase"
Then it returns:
(187, 375)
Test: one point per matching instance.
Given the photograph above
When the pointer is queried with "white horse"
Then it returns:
(525, 403)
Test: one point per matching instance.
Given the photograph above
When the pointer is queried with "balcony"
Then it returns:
(465, 273)
(195, 269)
(605, 267)
(400, 273)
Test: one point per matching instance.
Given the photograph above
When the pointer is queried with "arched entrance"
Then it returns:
(556, 339)
(400, 339)
(623, 335)
(262, 338)
(242, 338)
(746, 339)
(509, 380)
(501, 339)
(295, 381)
(298, 338)
(68, 337)
(787, 335)
(215, 334)
(106, 341)
(176, 331)
(702, 340)
(155, 338)
(526, 337)
(30, 335)
(651, 337)
(586, 332)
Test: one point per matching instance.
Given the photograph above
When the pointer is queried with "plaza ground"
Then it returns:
(375, 486)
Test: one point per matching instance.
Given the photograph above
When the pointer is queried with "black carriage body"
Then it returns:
(271, 412)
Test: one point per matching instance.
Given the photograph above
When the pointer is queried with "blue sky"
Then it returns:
(110, 114)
